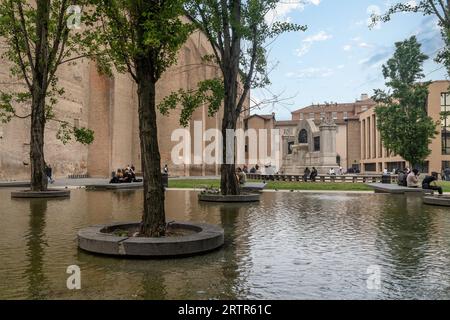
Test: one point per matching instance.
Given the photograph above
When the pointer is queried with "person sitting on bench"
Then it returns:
(241, 176)
(429, 183)
(413, 179)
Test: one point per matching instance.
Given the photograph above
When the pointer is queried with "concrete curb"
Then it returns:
(206, 238)
(443, 201)
(254, 197)
(51, 193)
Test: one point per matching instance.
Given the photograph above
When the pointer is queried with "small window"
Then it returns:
(345, 115)
(335, 116)
(301, 116)
(290, 145)
(311, 115)
(303, 136)
(316, 143)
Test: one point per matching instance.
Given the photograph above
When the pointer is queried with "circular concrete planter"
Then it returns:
(201, 238)
(247, 197)
(51, 193)
(437, 201)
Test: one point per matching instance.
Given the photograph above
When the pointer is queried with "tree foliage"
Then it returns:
(402, 119)
(239, 35)
(438, 8)
(118, 43)
(26, 48)
(142, 38)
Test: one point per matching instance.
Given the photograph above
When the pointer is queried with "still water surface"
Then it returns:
(290, 246)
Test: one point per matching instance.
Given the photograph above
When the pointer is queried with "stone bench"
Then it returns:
(396, 189)
(253, 186)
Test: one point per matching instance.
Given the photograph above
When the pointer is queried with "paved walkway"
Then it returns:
(73, 183)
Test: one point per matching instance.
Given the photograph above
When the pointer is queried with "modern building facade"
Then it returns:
(375, 157)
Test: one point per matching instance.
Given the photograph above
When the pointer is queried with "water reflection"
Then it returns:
(36, 243)
(291, 246)
(404, 234)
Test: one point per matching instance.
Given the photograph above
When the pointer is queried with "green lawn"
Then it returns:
(193, 183)
(280, 185)
(445, 185)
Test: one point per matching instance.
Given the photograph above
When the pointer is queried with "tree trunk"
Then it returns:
(229, 184)
(39, 180)
(153, 219)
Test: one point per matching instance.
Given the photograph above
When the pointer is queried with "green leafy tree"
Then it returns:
(39, 39)
(438, 8)
(239, 35)
(402, 119)
(142, 38)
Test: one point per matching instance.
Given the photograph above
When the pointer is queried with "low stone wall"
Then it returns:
(97, 239)
(40, 194)
(323, 178)
(443, 201)
(251, 197)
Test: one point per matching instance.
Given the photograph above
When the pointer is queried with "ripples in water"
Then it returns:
(290, 246)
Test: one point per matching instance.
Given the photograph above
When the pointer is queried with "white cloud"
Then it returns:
(304, 49)
(308, 42)
(364, 45)
(363, 61)
(283, 9)
(373, 10)
(357, 42)
(311, 72)
(411, 3)
(321, 36)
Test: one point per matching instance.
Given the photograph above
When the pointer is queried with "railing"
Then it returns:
(78, 176)
(348, 178)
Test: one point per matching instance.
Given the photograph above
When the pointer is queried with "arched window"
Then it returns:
(303, 136)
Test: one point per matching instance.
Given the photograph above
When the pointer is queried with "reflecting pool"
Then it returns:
(289, 246)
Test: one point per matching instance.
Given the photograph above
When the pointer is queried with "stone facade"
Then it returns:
(314, 146)
(357, 141)
(109, 107)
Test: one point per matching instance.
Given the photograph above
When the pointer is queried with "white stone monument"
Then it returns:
(314, 146)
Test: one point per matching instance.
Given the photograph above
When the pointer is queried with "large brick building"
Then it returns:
(109, 107)
(358, 143)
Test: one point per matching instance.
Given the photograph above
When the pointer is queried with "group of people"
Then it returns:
(410, 178)
(254, 170)
(126, 175)
(310, 174)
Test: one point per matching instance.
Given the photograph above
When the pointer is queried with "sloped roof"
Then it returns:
(337, 107)
(263, 116)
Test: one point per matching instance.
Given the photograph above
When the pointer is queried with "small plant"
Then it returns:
(210, 190)
(121, 233)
